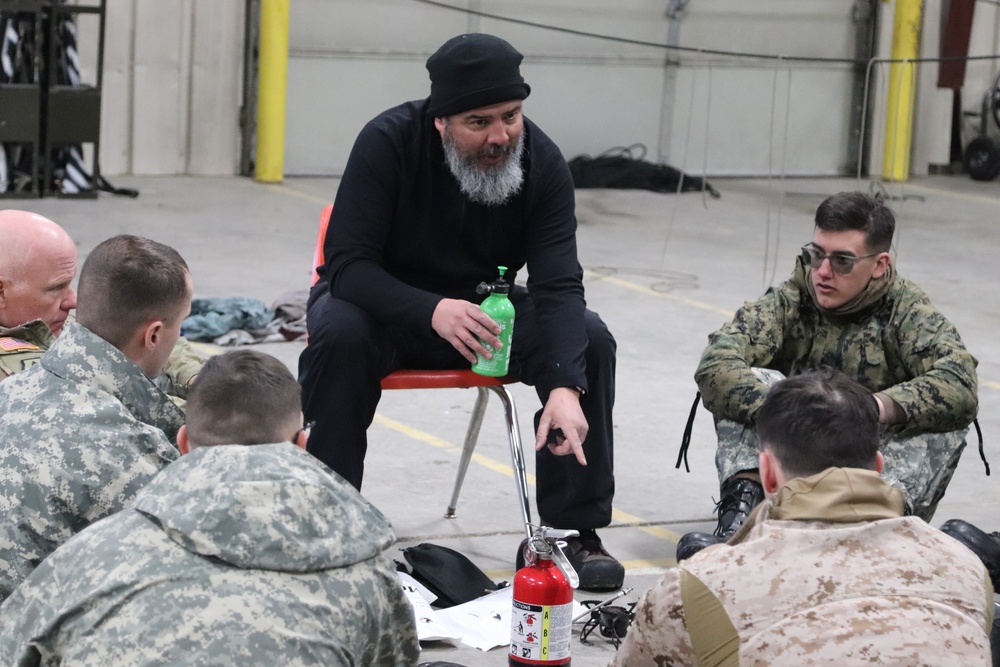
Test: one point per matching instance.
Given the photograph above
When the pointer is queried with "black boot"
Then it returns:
(739, 497)
(597, 569)
(983, 544)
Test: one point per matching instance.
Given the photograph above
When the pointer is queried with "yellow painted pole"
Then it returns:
(902, 80)
(271, 91)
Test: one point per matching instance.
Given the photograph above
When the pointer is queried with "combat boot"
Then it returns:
(596, 568)
(983, 544)
(738, 498)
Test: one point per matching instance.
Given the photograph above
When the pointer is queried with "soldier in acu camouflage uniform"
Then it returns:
(84, 429)
(844, 308)
(827, 570)
(233, 555)
(37, 267)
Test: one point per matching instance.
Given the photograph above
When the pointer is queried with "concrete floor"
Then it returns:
(663, 271)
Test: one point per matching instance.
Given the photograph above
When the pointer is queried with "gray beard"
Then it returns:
(491, 186)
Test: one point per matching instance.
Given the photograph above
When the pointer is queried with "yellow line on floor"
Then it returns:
(694, 303)
(435, 441)
(655, 531)
(284, 189)
(496, 466)
(991, 385)
(649, 563)
(955, 195)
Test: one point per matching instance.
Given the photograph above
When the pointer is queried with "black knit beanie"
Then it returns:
(472, 71)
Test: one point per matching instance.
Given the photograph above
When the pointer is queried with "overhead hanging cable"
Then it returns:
(690, 49)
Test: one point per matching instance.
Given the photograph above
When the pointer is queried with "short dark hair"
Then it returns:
(818, 420)
(243, 397)
(128, 281)
(847, 211)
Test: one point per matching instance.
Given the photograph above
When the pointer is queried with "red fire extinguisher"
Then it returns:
(541, 626)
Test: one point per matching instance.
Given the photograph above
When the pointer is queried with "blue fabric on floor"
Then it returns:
(210, 318)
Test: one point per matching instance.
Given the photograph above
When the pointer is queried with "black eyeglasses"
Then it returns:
(306, 428)
(841, 263)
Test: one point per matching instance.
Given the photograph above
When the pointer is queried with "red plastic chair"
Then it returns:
(456, 379)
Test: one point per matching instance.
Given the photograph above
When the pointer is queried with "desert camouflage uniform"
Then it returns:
(827, 572)
(23, 346)
(233, 555)
(81, 432)
(900, 346)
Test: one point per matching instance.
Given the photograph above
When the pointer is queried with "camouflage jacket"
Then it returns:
(23, 346)
(81, 432)
(827, 572)
(901, 346)
(233, 555)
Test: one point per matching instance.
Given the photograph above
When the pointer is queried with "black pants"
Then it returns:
(349, 352)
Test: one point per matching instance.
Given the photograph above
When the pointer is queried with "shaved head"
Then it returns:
(37, 267)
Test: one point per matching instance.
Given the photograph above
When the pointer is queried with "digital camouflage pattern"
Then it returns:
(901, 346)
(28, 342)
(921, 465)
(233, 555)
(81, 432)
(827, 572)
(23, 346)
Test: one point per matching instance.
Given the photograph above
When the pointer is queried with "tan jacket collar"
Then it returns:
(839, 495)
(873, 292)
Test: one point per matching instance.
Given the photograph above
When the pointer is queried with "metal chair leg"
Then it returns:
(516, 455)
(471, 436)
(516, 452)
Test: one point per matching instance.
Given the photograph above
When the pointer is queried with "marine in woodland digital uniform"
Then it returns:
(896, 343)
(845, 308)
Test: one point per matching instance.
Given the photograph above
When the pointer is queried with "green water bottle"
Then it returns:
(498, 306)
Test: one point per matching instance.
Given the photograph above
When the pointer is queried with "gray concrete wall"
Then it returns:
(172, 85)
(173, 71)
(695, 111)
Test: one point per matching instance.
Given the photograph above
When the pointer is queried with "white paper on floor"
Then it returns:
(429, 628)
(483, 623)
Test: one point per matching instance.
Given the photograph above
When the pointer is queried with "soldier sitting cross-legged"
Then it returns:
(846, 308)
(233, 555)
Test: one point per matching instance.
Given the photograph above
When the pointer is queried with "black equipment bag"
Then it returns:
(448, 574)
(625, 168)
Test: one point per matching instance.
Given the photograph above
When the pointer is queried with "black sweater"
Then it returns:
(402, 236)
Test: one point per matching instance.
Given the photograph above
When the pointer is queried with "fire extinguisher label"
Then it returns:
(541, 632)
